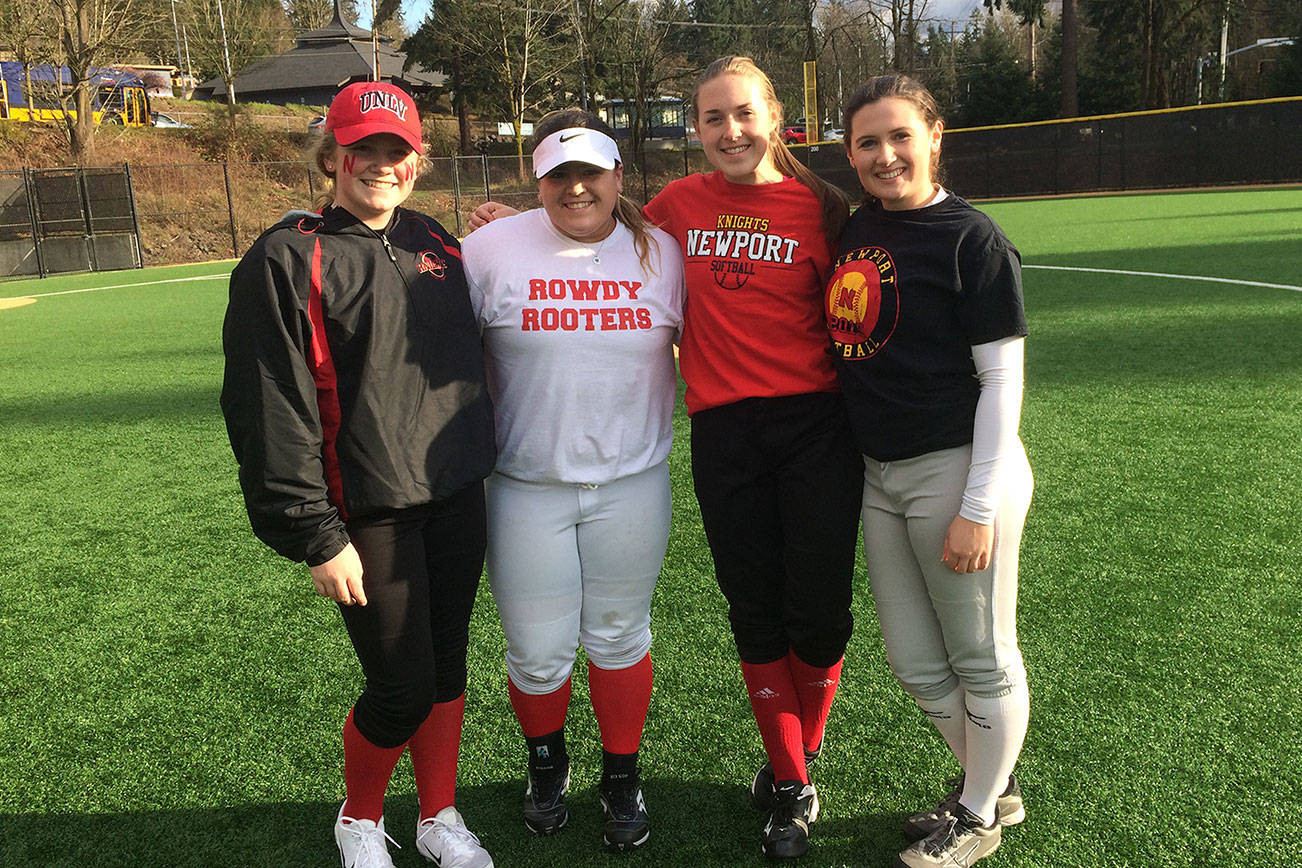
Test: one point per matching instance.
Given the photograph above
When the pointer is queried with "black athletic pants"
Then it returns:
(421, 568)
(779, 481)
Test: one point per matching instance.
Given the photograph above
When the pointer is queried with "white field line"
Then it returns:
(126, 285)
(1172, 276)
(1043, 267)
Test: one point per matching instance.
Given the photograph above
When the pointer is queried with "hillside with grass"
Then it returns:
(261, 132)
(181, 177)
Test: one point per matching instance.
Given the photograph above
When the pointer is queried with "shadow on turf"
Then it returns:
(693, 824)
(126, 406)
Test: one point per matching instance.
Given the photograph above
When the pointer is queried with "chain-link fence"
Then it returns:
(55, 220)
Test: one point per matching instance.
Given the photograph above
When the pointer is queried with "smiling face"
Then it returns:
(893, 150)
(580, 198)
(736, 125)
(373, 176)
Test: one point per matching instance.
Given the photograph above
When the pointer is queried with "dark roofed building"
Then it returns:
(321, 62)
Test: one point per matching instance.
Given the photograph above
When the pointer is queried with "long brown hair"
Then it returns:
(895, 85)
(626, 210)
(834, 203)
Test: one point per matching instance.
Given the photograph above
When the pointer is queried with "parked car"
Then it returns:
(159, 119)
(834, 135)
(316, 125)
(794, 135)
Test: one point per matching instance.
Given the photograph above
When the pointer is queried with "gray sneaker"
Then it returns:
(957, 843)
(1009, 806)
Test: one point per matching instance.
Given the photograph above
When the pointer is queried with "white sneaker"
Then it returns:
(958, 843)
(445, 841)
(361, 842)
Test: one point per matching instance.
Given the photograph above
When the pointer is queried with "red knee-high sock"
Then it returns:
(434, 750)
(620, 699)
(540, 715)
(367, 769)
(816, 688)
(777, 711)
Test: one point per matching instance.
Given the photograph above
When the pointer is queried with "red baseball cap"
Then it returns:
(369, 107)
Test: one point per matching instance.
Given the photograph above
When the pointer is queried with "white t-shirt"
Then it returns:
(579, 353)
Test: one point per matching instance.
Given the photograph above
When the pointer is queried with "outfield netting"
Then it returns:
(1221, 145)
(124, 216)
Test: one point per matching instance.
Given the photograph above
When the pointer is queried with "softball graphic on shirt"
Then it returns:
(862, 303)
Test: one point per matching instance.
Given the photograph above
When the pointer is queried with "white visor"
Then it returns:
(575, 145)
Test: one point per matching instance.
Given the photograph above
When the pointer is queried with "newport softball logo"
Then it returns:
(737, 242)
(862, 303)
(379, 99)
(432, 263)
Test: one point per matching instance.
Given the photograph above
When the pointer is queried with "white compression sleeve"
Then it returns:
(998, 415)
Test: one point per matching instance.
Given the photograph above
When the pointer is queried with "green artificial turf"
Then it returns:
(172, 692)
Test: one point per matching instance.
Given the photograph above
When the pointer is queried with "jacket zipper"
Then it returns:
(384, 239)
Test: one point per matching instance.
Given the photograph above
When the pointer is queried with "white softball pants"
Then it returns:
(943, 629)
(572, 564)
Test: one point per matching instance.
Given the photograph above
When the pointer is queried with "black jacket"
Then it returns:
(354, 376)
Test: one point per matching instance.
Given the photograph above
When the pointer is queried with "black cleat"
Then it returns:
(786, 834)
(628, 825)
(761, 787)
(544, 800)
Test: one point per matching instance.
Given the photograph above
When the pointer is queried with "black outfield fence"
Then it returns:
(1203, 146)
(58, 220)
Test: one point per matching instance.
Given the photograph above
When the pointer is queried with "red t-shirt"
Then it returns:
(756, 264)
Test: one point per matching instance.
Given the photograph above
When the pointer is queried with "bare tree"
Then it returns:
(307, 15)
(25, 31)
(648, 62)
(227, 35)
(523, 47)
(89, 33)
(854, 36)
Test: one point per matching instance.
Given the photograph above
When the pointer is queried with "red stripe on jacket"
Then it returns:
(451, 251)
(327, 387)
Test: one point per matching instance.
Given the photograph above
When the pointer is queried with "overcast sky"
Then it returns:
(952, 9)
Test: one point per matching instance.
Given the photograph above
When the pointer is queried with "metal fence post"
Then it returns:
(1098, 162)
(230, 208)
(456, 193)
(29, 185)
(1198, 151)
(1057, 157)
(135, 222)
(87, 219)
(986, 164)
(1122, 161)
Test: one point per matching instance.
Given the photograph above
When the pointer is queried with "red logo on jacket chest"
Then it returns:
(432, 263)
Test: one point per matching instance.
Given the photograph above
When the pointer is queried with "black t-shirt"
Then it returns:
(911, 293)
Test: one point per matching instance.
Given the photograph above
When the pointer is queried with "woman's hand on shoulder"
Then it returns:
(340, 578)
(488, 212)
(968, 545)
